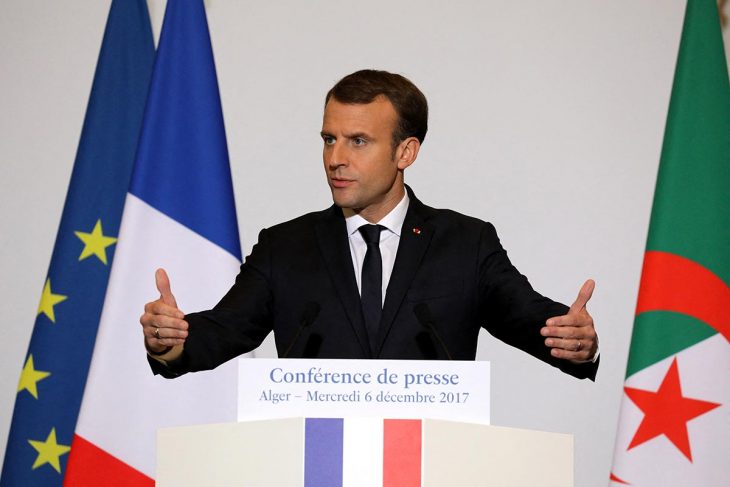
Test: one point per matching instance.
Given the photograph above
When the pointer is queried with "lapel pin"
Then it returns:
(416, 231)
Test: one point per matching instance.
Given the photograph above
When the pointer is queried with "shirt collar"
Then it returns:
(393, 221)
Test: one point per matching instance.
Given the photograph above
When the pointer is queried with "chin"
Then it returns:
(341, 199)
(342, 202)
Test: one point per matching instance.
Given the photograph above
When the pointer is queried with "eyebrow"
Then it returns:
(357, 135)
(353, 135)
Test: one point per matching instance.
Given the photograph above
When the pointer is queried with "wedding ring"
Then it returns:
(580, 346)
(157, 335)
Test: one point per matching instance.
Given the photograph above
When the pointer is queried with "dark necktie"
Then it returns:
(371, 292)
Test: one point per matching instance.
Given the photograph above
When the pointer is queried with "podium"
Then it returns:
(271, 453)
(326, 451)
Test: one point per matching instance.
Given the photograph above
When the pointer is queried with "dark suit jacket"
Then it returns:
(452, 263)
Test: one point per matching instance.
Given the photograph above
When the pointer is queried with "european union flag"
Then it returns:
(54, 373)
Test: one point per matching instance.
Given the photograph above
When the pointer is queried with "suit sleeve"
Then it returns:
(512, 311)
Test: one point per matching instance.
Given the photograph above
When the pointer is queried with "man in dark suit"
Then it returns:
(377, 275)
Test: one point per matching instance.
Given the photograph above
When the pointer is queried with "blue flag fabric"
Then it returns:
(54, 373)
(182, 165)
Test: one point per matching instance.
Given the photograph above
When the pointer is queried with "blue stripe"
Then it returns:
(97, 190)
(182, 164)
(323, 452)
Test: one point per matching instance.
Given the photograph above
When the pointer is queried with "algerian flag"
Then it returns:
(674, 427)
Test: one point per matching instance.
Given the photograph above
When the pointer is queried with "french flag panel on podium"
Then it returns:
(362, 451)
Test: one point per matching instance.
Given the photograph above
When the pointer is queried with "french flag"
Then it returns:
(179, 214)
(362, 452)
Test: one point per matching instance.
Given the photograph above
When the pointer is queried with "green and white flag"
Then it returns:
(674, 427)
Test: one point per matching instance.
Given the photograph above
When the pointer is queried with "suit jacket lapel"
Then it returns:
(335, 248)
(414, 240)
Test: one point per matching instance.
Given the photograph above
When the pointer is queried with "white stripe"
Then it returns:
(362, 455)
(124, 403)
(703, 375)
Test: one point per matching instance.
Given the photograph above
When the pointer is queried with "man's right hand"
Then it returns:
(163, 324)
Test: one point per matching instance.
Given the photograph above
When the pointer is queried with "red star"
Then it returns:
(613, 478)
(666, 412)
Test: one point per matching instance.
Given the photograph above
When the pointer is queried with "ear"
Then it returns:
(407, 152)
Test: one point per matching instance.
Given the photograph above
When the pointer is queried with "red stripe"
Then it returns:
(673, 283)
(402, 453)
(89, 465)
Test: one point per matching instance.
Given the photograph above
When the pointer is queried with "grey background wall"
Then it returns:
(547, 119)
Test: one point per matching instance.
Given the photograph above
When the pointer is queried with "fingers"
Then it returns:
(559, 336)
(158, 337)
(569, 326)
(573, 335)
(159, 307)
(574, 327)
(162, 330)
(159, 315)
(578, 327)
(162, 320)
(577, 323)
(577, 351)
(568, 344)
(163, 285)
(577, 343)
(165, 334)
(163, 324)
(583, 296)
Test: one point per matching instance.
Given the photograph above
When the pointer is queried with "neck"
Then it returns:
(375, 213)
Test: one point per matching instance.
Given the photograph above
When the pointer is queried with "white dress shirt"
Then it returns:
(389, 240)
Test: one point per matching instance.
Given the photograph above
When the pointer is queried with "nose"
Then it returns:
(335, 156)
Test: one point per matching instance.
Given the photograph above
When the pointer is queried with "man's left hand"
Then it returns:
(572, 336)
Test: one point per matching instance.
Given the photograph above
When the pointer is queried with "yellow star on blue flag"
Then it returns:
(95, 243)
(49, 300)
(49, 451)
(30, 376)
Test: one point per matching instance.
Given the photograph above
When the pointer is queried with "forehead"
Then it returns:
(378, 115)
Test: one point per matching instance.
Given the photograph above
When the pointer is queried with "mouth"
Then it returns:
(341, 183)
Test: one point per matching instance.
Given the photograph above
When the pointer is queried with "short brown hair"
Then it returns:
(410, 104)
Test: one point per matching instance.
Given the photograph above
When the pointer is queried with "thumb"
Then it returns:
(163, 285)
(583, 296)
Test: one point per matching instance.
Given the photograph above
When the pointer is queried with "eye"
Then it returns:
(328, 140)
(358, 141)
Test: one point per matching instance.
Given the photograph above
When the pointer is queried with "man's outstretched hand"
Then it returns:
(572, 336)
(163, 324)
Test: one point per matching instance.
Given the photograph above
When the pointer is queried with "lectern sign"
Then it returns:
(279, 388)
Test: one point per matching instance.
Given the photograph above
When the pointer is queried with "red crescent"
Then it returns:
(671, 282)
